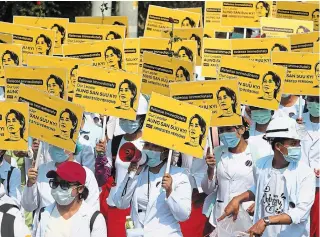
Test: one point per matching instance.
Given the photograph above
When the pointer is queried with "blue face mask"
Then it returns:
(229, 139)
(236, 36)
(154, 157)
(78, 148)
(261, 116)
(294, 154)
(129, 126)
(57, 154)
(313, 108)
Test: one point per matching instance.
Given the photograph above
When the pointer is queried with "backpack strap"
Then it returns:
(40, 212)
(92, 219)
(8, 179)
(115, 143)
(7, 224)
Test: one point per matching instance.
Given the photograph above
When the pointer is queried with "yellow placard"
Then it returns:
(132, 54)
(70, 64)
(159, 18)
(6, 38)
(195, 10)
(186, 50)
(299, 11)
(304, 42)
(212, 14)
(244, 14)
(108, 92)
(302, 72)
(14, 126)
(10, 55)
(259, 50)
(59, 25)
(213, 49)
(316, 47)
(106, 20)
(52, 120)
(220, 97)
(34, 40)
(195, 34)
(208, 33)
(82, 32)
(277, 27)
(158, 71)
(260, 84)
(49, 79)
(107, 54)
(176, 125)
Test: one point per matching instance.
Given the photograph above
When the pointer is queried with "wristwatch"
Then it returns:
(266, 220)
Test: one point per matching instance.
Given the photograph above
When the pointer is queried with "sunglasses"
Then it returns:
(63, 184)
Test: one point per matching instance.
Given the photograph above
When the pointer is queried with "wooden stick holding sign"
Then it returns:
(38, 155)
(104, 125)
(300, 107)
(210, 141)
(169, 162)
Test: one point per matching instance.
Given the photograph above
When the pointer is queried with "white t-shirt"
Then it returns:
(288, 111)
(58, 226)
(273, 201)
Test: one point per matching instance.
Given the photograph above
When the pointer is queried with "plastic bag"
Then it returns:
(229, 228)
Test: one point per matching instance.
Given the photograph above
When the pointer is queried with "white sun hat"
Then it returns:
(284, 127)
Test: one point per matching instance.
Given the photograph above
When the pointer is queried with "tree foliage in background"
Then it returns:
(144, 5)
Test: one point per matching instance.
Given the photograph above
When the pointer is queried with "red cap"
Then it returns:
(69, 171)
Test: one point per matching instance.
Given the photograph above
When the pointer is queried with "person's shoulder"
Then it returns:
(304, 169)
(261, 162)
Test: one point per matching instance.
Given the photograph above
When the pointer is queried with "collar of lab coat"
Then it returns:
(308, 125)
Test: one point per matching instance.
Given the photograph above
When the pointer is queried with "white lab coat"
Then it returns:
(86, 156)
(299, 189)
(163, 214)
(80, 223)
(39, 195)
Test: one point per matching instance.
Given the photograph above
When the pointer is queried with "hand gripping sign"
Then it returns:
(176, 125)
(52, 119)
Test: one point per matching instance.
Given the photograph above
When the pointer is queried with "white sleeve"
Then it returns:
(111, 126)
(122, 200)
(99, 228)
(86, 157)
(15, 186)
(30, 200)
(207, 185)
(92, 185)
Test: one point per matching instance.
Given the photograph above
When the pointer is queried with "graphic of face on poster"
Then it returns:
(158, 71)
(132, 54)
(106, 20)
(302, 76)
(34, 40)
(245, 14)
(181, 126)
(59, 25)
(304, 42)
(220, 97)
(277, 27)
(70, 64)
(208, 33)
(107, 54)
(6, 38)
(259, 50)
(10, 55)
(260, 84)
(158, 18)
(299, 11)
(49, 79)
(52, 120)
(213, 50)
(102, 91)
(185, 50)
(14, 126)
(83, 32)
(195, 10)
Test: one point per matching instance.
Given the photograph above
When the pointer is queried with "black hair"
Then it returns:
(19, 116)
(316, 10)
(266, 6)
(118, 23)
(61, 30)
(142, 118)
(231, 94)
(59, 82)
(206, 36)
(202, 124)
(73, 119)
(315, 67)
(85, 193)
(132, 88)
(276, 140)
(197, 38)
(115, 35)
(191, 22)
(185, 72)
(72, 69)
(280, 46)
(13, 56)
(188, 52)
(276, 80)
(47, 40)
(116, 52)
(2, 41)
(305, 29)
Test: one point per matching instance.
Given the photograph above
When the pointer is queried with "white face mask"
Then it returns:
(62, 197)
(129, 126)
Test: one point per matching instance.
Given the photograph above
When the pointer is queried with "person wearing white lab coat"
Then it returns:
(69, 215)
(289, 106)
(36, 193)
(229, 170)
(158, 201)
(283, 186)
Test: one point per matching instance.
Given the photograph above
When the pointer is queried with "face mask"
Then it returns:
(57, 154)
(62, 197)
(285, 95)
(261, 116)
(313, 108)
(236, 36)
(229, 139)
(78, 148)
(294, 154)
(153, 157)
(128, 126)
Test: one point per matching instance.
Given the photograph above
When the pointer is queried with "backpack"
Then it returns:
(7, 224)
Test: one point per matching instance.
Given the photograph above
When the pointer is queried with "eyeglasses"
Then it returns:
(63, 184)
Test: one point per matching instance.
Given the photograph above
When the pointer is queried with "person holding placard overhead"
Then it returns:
(158, 201)
(111, 169)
